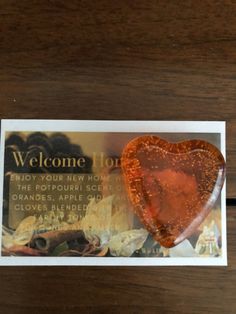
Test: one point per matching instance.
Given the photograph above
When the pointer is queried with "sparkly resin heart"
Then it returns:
(172, 186)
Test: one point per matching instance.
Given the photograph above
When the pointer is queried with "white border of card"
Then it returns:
(116, 126)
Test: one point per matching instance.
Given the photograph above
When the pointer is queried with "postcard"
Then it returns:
(117, 193)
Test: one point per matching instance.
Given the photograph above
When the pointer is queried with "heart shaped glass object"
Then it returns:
(172, 186)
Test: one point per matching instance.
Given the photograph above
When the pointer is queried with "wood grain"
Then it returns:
(154, 60)
(120, 61)
(174, 290)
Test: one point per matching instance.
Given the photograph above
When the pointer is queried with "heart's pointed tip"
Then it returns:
(167, 242)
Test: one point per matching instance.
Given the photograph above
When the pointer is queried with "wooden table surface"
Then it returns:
(142, 60)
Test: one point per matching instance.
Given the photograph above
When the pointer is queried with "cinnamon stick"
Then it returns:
(48, 241)
(21, 250)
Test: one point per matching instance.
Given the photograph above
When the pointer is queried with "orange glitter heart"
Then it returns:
(172, 186)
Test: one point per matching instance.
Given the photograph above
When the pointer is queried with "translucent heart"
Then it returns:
(172, 186)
